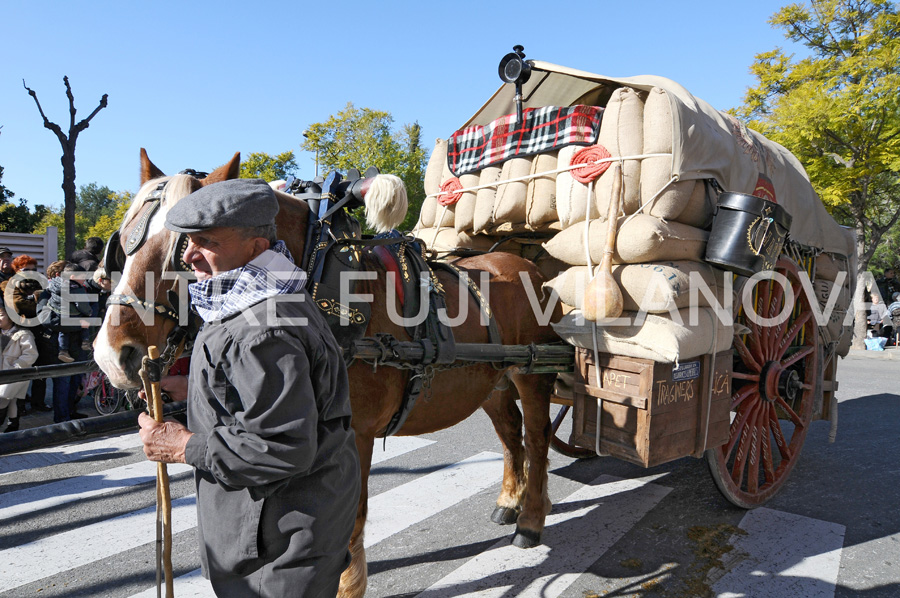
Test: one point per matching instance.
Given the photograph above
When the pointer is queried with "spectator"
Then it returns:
(17, 350)
(89, 257)
(27, 288)
(6, 269)
(888, 284)
(67, 312)
(876, 313)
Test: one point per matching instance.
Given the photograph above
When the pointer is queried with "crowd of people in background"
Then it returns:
(884, 313)
(46, 321)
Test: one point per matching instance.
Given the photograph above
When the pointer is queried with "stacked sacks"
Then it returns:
(483, 216)
(672, 298)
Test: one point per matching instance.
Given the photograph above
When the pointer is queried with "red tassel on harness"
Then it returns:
(588, 156)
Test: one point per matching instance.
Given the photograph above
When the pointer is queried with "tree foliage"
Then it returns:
(98, 213)
(837, 109)
(16, 217)
(362, 137)
(259, 165)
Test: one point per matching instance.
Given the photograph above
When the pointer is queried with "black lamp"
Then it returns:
(515, 69)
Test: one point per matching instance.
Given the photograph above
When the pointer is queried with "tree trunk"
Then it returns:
(860, 307)
(70, 195)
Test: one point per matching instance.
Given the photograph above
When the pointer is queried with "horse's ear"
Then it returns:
(229, 171)
(148, 168)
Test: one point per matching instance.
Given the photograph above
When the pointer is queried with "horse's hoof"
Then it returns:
(526, 538)
(505, 515)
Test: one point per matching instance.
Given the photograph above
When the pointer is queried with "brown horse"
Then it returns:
(375, 396)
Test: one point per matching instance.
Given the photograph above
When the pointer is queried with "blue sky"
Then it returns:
(194, 82)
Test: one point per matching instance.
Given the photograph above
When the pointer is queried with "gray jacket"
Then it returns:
(277, 470)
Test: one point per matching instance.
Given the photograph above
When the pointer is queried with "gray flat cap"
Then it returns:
(238, 202)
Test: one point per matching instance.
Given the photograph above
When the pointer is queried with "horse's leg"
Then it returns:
(507, 420)
(355, 577)
(535, 391)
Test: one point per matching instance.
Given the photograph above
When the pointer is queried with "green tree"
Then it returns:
(16, 217)
(94, 200)
(259, 165)
(108, 222)
(101, 224)
(837, 109)
(362, 137)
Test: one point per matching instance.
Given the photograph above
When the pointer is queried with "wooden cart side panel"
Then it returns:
(649, 415)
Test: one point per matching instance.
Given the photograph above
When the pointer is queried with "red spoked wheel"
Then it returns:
(773, 390)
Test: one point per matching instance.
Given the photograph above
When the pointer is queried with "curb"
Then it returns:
(890, 353)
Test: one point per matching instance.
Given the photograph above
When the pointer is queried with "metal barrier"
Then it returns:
(25, 440)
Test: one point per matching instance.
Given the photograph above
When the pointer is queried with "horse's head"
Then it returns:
(141, 312)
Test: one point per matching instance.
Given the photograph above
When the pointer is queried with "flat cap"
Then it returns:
(5, 250)
(238, 202)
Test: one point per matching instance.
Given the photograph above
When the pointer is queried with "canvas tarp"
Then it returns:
(707, 144)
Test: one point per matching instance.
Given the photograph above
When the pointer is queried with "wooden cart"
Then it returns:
(747, 411)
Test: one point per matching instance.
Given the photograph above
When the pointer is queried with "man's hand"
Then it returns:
(164, 442)
(174, 386)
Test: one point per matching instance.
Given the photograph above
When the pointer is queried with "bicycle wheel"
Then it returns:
(107, 398)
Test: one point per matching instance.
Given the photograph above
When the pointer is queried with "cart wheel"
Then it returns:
(773, 389)
(561, 446)
(107, 398)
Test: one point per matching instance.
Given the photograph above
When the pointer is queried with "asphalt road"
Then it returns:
(77, 520)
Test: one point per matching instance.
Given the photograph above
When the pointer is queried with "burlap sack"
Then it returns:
(660, 337)
(540, 196)
(484, 200)
(828, 266)
(658, 128)
(436, 172)
(622, 134)
(700, 209)
(834, 326)
(436, 165)
(464, 216)
(643, 239)
(509, 203)
(674, 198)
(654, 288)
(571, 196)
(448, 239)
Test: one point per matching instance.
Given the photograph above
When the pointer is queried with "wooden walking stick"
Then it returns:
(603, 298)
(150, 375)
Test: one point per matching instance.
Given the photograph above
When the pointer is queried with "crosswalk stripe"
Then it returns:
(67, 452)
(88, 544)
(193, 585)
(587, 523)
(54, 494)
(428, 495)
(782, 554)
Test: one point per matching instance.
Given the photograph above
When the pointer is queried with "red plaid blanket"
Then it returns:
(541, 130)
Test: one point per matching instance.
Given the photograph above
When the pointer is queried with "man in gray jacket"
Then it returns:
(268, 432)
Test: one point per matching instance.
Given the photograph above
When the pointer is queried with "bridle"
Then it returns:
(117, 252)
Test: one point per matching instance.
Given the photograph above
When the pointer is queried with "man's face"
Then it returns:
(218, 250)
(888, 273)
(6, 263)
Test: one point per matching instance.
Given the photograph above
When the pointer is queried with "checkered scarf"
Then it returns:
(541, 130)
(271, 273)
